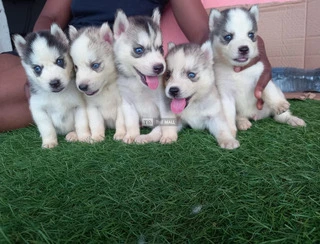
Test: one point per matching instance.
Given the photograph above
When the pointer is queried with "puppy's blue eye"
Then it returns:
(139, 50)
(37, 69)
(60, 62)
(168, 75)
(95, 66)
(251, 35)
(228, 37)
(161, 50)
(191, 75)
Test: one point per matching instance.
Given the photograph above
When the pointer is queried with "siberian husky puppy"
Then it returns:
(234, 40)
(55, 103)
(190, 83)
(139, 60)
(92, 54)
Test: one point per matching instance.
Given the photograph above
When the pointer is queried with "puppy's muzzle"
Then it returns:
(56, 85)
(83, 87)
(243, 50)
(158, 68)
(174, 91)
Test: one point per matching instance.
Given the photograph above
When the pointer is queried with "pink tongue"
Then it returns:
(178, 105)
(152, 82)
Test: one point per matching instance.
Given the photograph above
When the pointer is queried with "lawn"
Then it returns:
(266, 191)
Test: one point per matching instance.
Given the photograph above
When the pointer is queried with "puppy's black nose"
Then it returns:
(158, 68)
(243, 50)
(83, 87)
(55, 83)
(174, 91)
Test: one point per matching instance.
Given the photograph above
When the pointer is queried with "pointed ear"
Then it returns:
(19, 43)
(171, 45)
(58, 32)
(254, 10)
(206, 48)
(215, 14)
(121, 24)
(72, 32)
(156, 16)
(106, 33)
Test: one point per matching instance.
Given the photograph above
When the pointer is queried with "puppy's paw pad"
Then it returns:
(229, 144)
(118, 136)
(72, 136)
(49, 145)
(295, 121)
(282, 107)
(243, 124)
(85, 138)
(142, 139)
(168, 139)
(97, 138)
(128, 139)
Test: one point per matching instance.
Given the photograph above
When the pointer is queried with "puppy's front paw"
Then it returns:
(97, 138)
(142, 139)
(295, 121)
(119, 135)
(84, 137)
(281, 107)
(72, 136)
(129, 138)
(229, 143)
(48, 145)
(167, 139)
(243, 124)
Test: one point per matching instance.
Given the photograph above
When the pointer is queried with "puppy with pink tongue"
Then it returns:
(140, 62)
(190, 84)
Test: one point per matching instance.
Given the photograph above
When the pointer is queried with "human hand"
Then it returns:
(266, 74)
(27, 89)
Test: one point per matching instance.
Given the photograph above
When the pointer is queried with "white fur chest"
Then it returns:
(141, 97)
(246, 81)
(60, 107)
(240, 85)
(107, 102)
(197, 114)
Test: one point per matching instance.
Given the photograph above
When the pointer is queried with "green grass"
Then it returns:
(267, 191)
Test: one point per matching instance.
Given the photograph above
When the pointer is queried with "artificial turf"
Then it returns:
(192, 191)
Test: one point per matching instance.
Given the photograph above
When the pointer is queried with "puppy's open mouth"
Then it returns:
(241, 59)
(91, 93)
(150, 81)
(179, 104)
(56, 90)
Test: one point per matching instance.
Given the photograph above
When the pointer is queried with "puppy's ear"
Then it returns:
(106, 33)
(58, 32)
(19, 43)
(215, 14)
(206, 48)
(121, 24)
(171, 45)
(72, 32)
(156, 16)
(254, 10)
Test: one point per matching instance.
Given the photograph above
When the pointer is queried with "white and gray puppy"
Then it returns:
(92, 53)
(139, 60)
(190, 83)
(55, 103)
(234, 40)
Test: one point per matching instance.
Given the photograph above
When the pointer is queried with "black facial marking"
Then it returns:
(220, 23)
(144, 23)
(147, 25)
(52, 42)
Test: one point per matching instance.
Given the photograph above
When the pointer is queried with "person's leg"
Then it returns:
(14, 108)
